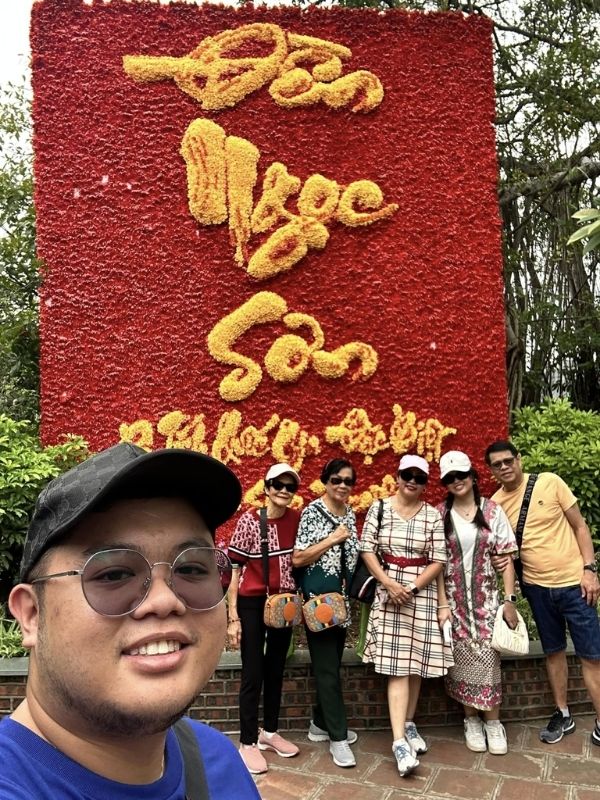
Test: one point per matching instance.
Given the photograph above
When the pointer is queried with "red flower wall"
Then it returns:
(135, 282)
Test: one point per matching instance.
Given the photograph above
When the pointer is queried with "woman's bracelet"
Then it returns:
(237, 619)
(440, 607)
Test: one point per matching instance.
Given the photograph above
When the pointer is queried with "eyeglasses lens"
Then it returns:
(279, 486)
(504, 462)
(454, 476)
(116, 582)
(336, 481)
(417, 477)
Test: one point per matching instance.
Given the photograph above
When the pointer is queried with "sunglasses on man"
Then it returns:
(408, 475)
(117, 581)
(451, 477)
(503, 462)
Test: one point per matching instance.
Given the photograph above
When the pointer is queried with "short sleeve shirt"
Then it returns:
(549, 552)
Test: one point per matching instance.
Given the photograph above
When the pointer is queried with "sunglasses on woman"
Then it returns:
(116, 582)
(336, 481)
(455, 476)
(418, 477)
(280, 486)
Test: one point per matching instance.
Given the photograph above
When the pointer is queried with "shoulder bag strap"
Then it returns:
(327, 516)
(330, 519)
(525, 508)
(196, 787)
(264, 546)
(379, 521)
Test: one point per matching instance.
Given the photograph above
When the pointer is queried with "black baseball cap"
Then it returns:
(129, 471)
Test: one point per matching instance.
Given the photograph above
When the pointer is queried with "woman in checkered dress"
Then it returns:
(404, 640)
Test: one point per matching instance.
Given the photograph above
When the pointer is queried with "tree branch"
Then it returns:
(573, 176)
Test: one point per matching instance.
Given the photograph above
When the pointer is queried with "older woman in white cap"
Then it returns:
(476, 529)
(404, 640)
(263, 649)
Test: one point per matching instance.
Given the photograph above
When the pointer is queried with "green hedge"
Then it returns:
(555, 437)
(25, 468)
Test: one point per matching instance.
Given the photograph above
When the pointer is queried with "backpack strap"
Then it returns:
(196, 787)
(264, 546)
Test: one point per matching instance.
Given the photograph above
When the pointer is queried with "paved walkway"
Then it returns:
(569, 770)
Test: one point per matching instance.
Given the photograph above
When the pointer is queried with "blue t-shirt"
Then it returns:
(30, 768)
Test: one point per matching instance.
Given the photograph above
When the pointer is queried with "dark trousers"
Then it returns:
(263, 652)
(326, 650)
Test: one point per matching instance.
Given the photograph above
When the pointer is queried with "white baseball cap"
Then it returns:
(454, 461)
(281, 469)
(408, 461)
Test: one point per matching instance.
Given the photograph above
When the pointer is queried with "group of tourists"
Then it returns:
(436, 600)
(120, 602)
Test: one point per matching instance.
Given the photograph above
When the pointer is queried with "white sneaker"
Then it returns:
(496, 738)
(316, 734)
(414, 738)
(474, 735)
(404, 757)
(341, 753)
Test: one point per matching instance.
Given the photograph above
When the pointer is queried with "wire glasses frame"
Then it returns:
(117, 581)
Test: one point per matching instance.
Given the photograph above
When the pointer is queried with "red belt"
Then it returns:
(400, 561)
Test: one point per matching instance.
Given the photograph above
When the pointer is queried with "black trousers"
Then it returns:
(263, 652)
(326, 650)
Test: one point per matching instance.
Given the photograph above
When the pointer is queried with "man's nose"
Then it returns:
(161, 599)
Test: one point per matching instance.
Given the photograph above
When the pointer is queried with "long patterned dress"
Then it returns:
(472, 591)
(406, 639)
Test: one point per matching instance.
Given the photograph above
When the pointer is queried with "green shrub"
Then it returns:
(25, 467)
(10, 637)
(555, 437)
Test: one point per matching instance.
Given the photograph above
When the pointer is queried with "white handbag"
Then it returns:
(507, 641)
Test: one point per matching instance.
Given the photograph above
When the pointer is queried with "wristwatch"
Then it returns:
(591, 568)
(413, 588)
(510, 598)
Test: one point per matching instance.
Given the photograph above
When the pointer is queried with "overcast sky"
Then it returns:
(14, 39)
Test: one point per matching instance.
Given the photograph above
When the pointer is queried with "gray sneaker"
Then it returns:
(557, 727)
(404, 758)
(316, 734)
(342, 754)
(414, 738)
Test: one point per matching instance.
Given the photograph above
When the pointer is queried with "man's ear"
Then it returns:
(24, 605)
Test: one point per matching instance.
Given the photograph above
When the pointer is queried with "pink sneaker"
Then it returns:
(277, 743)
(253, 759)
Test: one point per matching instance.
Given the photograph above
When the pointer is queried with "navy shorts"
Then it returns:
(554, 609)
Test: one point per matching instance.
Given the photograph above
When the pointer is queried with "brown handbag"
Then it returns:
(284, 609)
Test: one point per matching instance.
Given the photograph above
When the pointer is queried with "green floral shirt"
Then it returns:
(325, 574)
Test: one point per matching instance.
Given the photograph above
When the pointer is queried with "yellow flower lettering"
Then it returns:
(227, 80)
(356, 434)
(357, 198)
(140, 433)
(213, 76)
(262, 308)
(182, 430)
(292, 444)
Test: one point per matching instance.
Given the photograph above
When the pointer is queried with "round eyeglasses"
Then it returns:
(116, 582)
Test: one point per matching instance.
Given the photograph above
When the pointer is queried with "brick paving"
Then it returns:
(569, 770)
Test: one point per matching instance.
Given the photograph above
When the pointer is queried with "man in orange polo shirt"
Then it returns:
(559, 578)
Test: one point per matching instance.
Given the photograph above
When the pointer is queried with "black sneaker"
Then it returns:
(557, 727)
(596, 734)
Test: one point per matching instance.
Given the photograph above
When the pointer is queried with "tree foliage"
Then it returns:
(555, 437)
(25, 468)
(19, 268)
